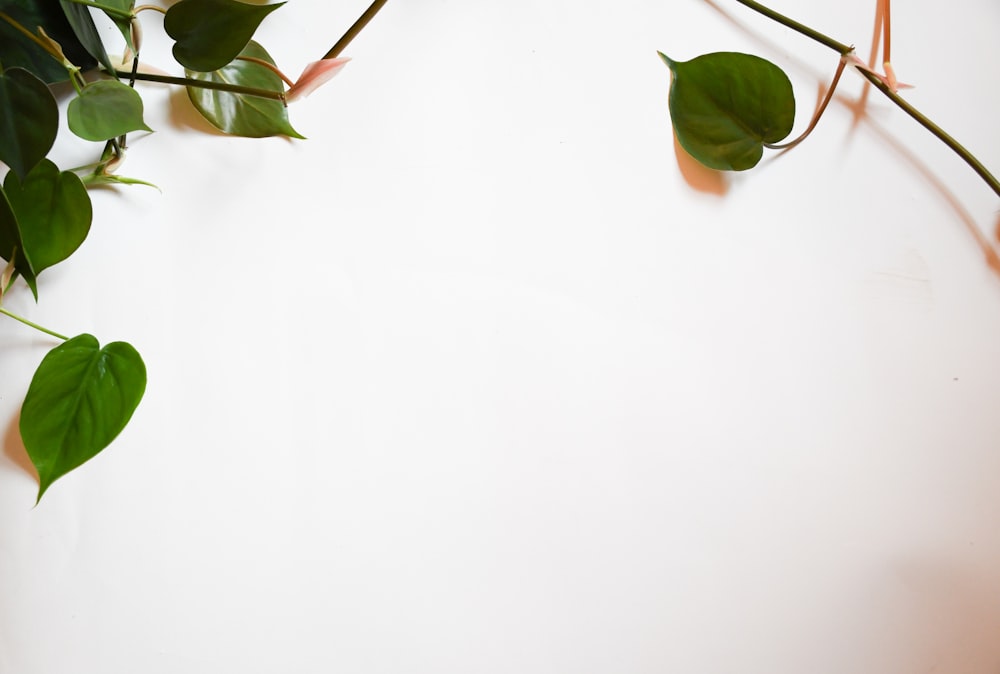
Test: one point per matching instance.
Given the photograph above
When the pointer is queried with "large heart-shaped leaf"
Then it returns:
(105, 109)
(29, 120)
(79, 400)
(211, 33)
(243, 114)
(43, 219)
(18, 50)
(725, 106)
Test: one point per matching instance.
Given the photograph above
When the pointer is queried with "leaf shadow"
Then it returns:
(698, 176)
(859, 109)
(184, 116)
(13, 447)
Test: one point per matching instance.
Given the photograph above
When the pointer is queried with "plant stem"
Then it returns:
(36, 326)
(189, 82)
(921, 119)
(819, 111)
(798, 27)
(353, 31)
(941, 134)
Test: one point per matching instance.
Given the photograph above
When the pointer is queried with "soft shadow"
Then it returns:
(183, 114)
(13, 448)
(697, 175)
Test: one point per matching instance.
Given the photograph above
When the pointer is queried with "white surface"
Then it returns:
(474, 380)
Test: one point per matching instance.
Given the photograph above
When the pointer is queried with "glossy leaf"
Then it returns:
(243, 114)
(86, 32)
(79, 400)
(105, 109)
(725, 106)
(29, 120)
(44, 218)
(16, 50)
(211, 33)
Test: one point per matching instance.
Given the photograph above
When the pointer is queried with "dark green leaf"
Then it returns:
(44, 218)
(105, 109)
(29, 120)
(79, 400)
(211, 33)
(241, 114)
(86, 32)
(725, 106)
(18, 50)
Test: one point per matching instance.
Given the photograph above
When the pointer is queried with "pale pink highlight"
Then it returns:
(314, 76)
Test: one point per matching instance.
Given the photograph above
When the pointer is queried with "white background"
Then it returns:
(484, 377)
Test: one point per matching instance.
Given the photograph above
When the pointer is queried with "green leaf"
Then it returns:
(79, 400)
(43, 219)
(105, 109)
(725, 106)
(211, 33)
(86, 32)
(29, 120)
(114, 10)
(242, 114)
(17, 50)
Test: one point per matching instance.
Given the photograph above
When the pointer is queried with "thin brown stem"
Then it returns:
(819, 111)
(270, 66)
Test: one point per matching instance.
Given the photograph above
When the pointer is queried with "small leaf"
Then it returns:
(43, 219)
(79, 400)
(725, 106)
(29, 120)
(211, 33)
(242, 114)
(105, 109)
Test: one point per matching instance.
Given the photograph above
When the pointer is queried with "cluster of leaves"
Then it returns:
(82, 395)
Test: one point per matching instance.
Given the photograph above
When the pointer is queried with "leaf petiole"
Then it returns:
(31, 324)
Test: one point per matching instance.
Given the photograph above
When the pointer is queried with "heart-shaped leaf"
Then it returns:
(79, 400)
(29, 120)
(725, 106)
(211, 33)
(105, 109)
(243, 114)
(43, 219)
(17, 50)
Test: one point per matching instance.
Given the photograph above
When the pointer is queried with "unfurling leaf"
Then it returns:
(211, 33)
(29, 120)
(79, 400)
(43, 219)
(243, 114)
(726, 106)
(105, 109)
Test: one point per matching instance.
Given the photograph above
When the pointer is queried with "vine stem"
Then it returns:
(30, 324)
(189, 82)
(923, 120)
(356, 28)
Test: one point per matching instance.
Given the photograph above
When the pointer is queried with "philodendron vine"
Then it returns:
(727, 107)
(83, 394)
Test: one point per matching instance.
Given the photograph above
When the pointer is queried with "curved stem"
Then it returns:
(36, 326)
(356, 28)
(921, 119)
(819, 111)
